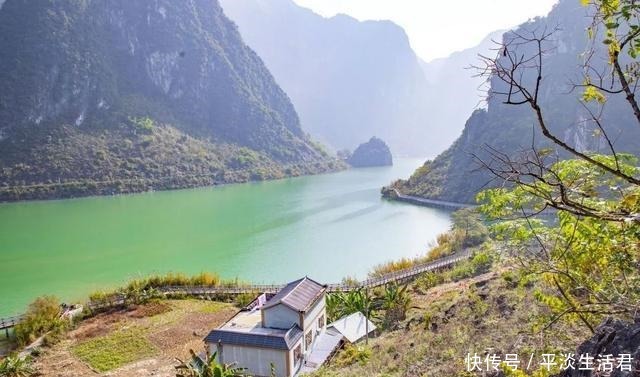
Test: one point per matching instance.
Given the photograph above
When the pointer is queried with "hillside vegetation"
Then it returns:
(458, 175)
(125, 96)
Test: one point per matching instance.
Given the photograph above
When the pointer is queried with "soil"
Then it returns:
(173, 327)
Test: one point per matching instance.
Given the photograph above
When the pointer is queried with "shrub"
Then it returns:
(353, 354)
(16, 367)
(245, 299)
(43, 315)
(429, 280)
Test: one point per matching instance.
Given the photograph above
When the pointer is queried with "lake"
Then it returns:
(325, 226)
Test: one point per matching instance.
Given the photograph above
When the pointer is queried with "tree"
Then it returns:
(588, 258)
(342, 304)
(468, 224)
(207, 367)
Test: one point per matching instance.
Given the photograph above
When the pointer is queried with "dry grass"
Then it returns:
(451, 320)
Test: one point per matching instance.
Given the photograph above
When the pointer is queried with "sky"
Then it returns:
(438, 28)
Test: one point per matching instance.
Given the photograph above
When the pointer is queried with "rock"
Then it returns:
(375, 152)
(613, 337)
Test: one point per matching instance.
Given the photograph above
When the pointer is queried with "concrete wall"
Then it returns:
(311, 320)
(293, 364)
(256, 360)
(281, 317)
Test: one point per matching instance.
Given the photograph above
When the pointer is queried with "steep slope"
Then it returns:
(456, 88)
(118, 96)
(455, 175)
(348, 79)
(374, 152)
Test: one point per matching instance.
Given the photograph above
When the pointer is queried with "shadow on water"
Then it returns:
(356, 214)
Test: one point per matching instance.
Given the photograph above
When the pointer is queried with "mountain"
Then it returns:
(374, 152)
(348, 79)
(456, 88)
(130, 95)
(455, 175)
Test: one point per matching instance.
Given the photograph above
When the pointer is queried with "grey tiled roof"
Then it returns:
(283, 341)
(298, 295)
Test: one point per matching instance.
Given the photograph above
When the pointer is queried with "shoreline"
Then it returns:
(394, 194)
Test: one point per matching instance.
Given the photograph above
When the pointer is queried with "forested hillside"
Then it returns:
(457, 174)
(120, 96)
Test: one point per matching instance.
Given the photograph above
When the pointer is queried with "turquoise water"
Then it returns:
(326, 226)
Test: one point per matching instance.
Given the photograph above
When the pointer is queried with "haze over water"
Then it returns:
(326, 226)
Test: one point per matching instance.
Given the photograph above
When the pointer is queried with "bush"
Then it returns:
(43, 315)
(429, 280)
(16, 367)
(353, 354)
(244, 299)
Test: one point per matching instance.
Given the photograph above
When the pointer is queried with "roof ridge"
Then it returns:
(297, 284)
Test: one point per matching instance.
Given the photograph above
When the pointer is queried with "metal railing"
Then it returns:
(397, 277)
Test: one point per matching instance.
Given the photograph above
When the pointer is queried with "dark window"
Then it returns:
(307, 339)
(321, 322)
(297, 354)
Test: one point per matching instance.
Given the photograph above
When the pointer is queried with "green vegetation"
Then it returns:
(467, 231)
(140, 291)
(586, 261)
(143, 123)
(42, 317)
(387, 305)
(208, 367)
(162, 127)
(16, 367)
(353, 354)
(446, 322)
(115, 350)
(503, 130)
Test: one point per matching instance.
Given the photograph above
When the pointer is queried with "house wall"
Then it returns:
(293, 364)
(256, 360)
(311, 321)
(280, 317)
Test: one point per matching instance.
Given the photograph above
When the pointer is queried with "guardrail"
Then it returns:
(398, 276)
(10, 322)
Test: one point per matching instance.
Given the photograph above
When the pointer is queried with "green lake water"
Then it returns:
(326, 226)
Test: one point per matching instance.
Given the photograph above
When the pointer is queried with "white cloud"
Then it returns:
(438, 28)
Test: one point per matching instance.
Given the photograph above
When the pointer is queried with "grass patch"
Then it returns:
(211, 307)
(115, 350)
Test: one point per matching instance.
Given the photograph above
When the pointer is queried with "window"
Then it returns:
(321, 322)
(297, 354)
(307, 339)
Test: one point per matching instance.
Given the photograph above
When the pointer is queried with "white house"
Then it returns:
(278, 330)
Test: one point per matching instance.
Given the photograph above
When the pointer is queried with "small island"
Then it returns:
(375, 152)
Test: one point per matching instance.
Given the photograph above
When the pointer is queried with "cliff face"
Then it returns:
(145, 90)
(348, 79)
(612, 337)
(372, 153)
(455, 175)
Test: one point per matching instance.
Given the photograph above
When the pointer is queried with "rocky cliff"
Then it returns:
(120, 96)
(375, 152)
(455, 175)
(348, 79)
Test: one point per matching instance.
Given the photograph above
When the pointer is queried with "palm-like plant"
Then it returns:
(396, 302)
(207, 367)
(16, 367)
(342, 304)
